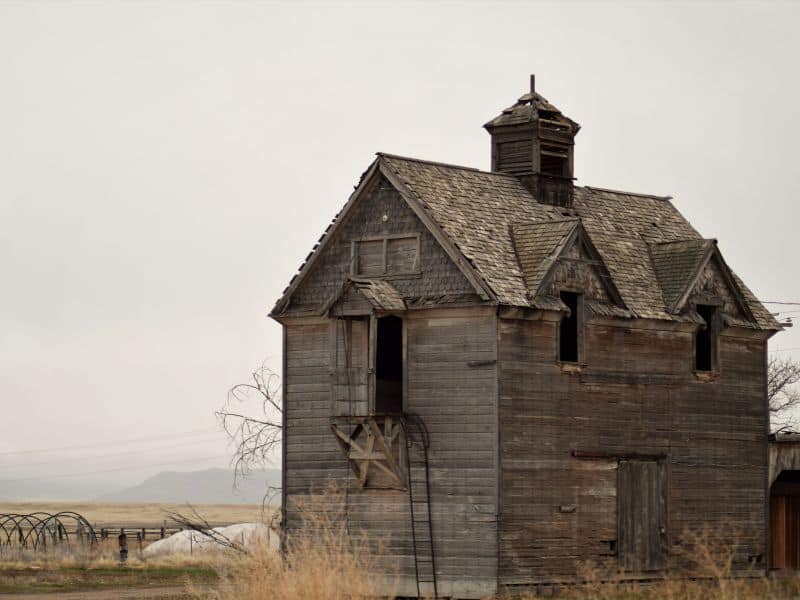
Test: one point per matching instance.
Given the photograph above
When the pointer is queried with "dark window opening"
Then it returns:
(553, 161)
(569, 328)
(389, 366)
(706, 339)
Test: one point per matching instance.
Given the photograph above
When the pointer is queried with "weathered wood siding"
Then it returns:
(438, 277)
(452, 385)
(635, 395)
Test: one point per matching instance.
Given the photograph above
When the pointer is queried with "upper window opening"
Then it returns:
(569, 328)
(389, 366)
(554, 161)
(706, 339)
(386, 256)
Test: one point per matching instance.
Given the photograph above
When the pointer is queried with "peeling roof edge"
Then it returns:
(623, 192)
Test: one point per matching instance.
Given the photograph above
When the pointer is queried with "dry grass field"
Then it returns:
(330, 565)
(144, 514)
(97, 574)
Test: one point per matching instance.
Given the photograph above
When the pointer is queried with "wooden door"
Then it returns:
(641, 515)
(350, 360)
(784, 531)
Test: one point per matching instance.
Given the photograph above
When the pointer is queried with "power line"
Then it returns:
(784, 303)
(114, 443)
(139, 468)
(784, 349)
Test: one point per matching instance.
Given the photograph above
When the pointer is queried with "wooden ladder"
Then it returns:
(419, 499)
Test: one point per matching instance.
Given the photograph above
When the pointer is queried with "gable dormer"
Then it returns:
(559, 256)
(692, 273)
(534, 141)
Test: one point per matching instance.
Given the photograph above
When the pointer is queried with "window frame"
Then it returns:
(579, 327)
(354, 257)
(715, 328)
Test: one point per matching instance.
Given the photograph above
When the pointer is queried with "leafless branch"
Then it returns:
(197, 523)
(783, 393)
(255, 435)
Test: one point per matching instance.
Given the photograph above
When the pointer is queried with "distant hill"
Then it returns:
(210, 486)
(50, 489)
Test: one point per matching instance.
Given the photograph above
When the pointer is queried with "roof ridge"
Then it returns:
(600, 189)
(442, 164)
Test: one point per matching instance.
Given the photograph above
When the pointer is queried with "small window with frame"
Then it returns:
(570, 328)
(385, 256)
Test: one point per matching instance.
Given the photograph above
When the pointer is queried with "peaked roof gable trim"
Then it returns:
(711, 252)
(579, 235)
(550, 261)
(536, 245)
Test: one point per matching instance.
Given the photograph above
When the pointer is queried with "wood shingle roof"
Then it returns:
(646, 245)
(478, 211)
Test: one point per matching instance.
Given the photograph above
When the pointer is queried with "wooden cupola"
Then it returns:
(534, 141)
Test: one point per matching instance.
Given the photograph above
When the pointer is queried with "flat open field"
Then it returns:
(99, 576)
(144, 514)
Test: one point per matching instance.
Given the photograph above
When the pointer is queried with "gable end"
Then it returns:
(377, 220)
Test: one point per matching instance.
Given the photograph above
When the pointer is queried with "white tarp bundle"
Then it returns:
(191, 542)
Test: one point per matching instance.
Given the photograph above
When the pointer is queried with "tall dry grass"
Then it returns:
(715, 564)
(325, 562)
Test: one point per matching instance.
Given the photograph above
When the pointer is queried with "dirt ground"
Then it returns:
(134, 593)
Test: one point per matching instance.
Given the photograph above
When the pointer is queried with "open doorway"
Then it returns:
(784, 521)
(389, 366)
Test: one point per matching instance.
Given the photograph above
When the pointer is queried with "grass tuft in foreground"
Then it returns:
(325, 563)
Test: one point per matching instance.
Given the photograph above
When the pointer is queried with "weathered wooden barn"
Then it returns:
(511, 375)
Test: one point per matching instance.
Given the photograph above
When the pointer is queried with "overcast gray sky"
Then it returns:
(165, 167)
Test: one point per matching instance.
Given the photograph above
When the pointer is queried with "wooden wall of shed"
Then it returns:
(452, 385)
(636, 393)
(438, 275)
